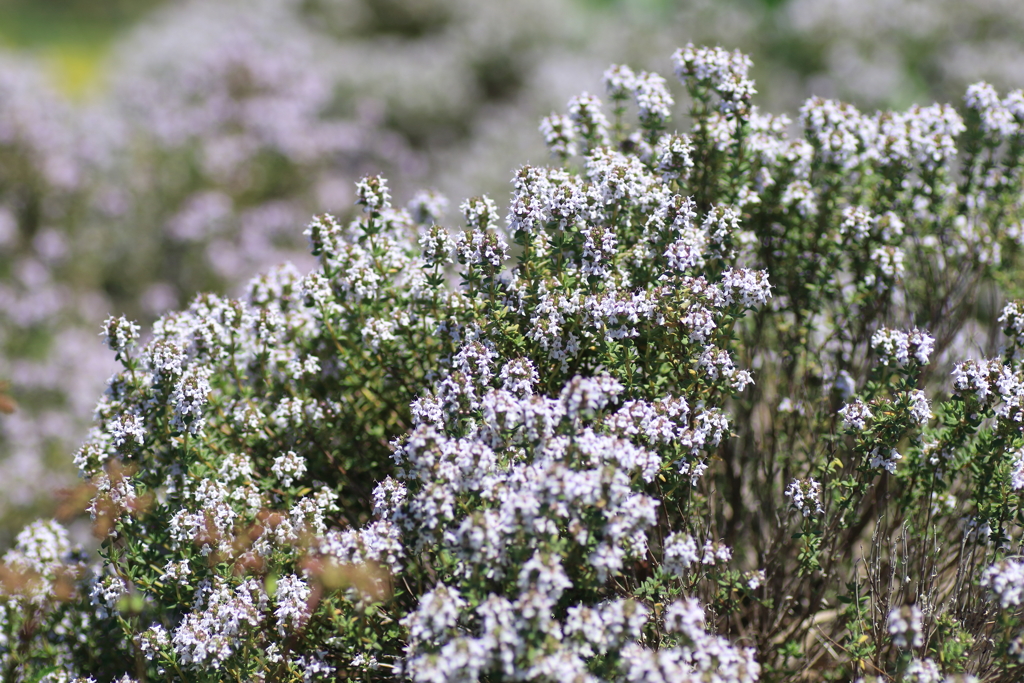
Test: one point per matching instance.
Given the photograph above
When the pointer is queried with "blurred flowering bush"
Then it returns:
(707, 402)
(48, 298)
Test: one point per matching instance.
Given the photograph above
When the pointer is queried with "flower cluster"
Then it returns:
(855, 415)
(805, 496)
(894, 346)
(904, 627)
(1005, 582)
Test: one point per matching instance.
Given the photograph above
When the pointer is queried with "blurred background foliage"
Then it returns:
(150, 150)
(71, 36)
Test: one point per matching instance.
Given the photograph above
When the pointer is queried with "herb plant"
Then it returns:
(713, 404)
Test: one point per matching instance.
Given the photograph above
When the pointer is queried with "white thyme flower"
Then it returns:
(190, 396)
(1005, 581)
(748, 288)
(288, 467)
(292, 600)
(805, 496)
(325, 234)
(715, 553)
(653, 100)
(153, 641)
(884, 458)
(619, 82)
(119, 334)
(977, 378)
(920, 408)
(722, 71)
(898, 347)
(588, 121)
(679, 552)
(904, 626)
(125, 428)
(372, 194)
(559, 135)
(427, 207)
(857, 222)
(889, 267)
(996, 118)
(106, 592)
(437, 245)
(1012, 318)
(177, 571)
(377, 331)
(218, 623)
(675, 157)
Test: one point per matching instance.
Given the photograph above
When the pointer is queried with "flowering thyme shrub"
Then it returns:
(708, 404)
(223, 124)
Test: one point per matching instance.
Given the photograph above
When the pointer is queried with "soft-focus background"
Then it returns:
(149, 150)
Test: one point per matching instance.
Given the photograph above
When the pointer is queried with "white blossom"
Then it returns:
(588, 121)
(748, 288)
(619, 82)
(884, 458)
(427, 207)
(904, 625)
(805, 496)
(191, 394)
(153, 641)
(288, 467)
(372, 194)
(1005, 582)
(679, 552)
(292, 600)
(557, 130)
(119, 334)
(920, 409)
(996, 118)
(652, 99)
(220, 617)
(894, 346)
(724, 72)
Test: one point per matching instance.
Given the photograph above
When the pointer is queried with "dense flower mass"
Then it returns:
(668, 418)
